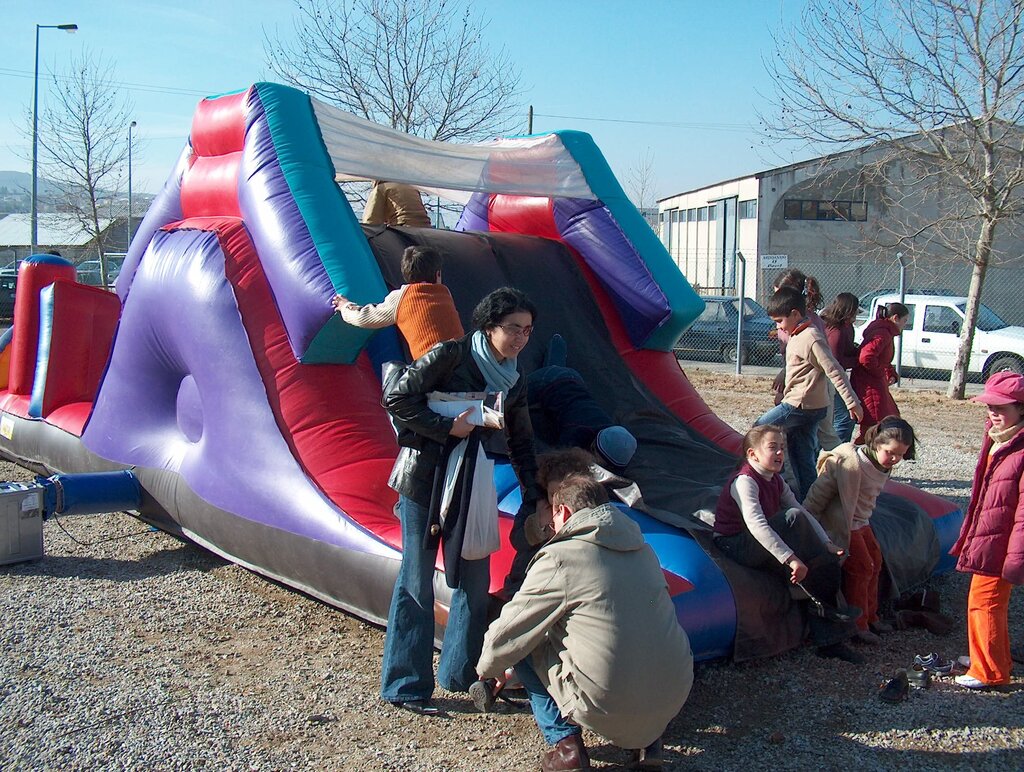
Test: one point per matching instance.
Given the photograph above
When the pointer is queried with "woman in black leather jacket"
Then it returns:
(484, 360)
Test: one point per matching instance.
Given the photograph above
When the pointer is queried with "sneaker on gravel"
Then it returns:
(970, 682)
(933, 663)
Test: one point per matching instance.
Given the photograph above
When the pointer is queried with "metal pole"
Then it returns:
(128, 241)
(35, 133)
(529, 121)
(742, 296)
(35, 151)
(903, 297)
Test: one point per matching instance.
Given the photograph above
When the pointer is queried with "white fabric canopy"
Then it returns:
(529, 166)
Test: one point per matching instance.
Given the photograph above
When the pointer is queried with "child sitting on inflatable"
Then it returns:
(760, 524)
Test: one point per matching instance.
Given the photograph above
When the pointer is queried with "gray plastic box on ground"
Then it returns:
(21, 522)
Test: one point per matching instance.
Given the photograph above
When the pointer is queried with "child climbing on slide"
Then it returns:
(843, 498)
(760, 524)
(422, 308)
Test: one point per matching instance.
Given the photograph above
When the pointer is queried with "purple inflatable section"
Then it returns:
(289, 257)
(182, 393)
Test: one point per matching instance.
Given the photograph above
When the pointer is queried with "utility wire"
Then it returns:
(738, 127)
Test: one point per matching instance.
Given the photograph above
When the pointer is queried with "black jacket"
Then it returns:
(422, 433)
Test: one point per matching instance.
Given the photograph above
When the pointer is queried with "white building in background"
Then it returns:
(792, 216)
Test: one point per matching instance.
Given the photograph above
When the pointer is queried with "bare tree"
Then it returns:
(420, 66)
(640, 179)
(935, 87)
(82, 144)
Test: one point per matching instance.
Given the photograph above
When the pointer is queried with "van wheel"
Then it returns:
(729, 354)
(1007, 363)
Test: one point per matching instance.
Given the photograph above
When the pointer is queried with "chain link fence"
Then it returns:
(935, 294)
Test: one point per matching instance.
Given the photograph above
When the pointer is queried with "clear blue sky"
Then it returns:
(638, 65)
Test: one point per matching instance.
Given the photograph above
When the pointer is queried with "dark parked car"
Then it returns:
(714, 333)
(7, 285)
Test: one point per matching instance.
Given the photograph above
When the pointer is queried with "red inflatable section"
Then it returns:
(210, 186)
(84, 321)
(32, 277)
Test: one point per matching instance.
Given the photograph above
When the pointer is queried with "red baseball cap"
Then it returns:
(1003, 388)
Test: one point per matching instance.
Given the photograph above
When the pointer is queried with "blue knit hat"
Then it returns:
(615, 445)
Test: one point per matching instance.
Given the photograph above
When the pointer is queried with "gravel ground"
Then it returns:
(126, 649)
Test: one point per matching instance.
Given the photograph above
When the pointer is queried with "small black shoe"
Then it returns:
(482, 694)
(919, 677)
(841, 651)
(895, 689)
(419, 707)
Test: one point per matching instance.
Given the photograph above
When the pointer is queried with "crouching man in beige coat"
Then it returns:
(593, 634)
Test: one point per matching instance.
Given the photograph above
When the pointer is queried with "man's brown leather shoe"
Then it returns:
(568, 755)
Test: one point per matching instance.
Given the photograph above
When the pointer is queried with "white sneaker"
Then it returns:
(970, 682)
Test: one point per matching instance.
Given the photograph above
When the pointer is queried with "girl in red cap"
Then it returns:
(991, 543)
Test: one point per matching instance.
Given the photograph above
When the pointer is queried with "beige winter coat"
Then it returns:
(835, 497)
(595, 613)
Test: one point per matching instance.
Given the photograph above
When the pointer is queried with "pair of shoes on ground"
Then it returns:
(567, 755)
(651, 757)
(934, 663)
(934, 622)
(896, 688)
(424, 707)
(919, 600)
(842, 652)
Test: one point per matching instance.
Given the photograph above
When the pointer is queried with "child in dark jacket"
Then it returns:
(874, 372)
(838, 319)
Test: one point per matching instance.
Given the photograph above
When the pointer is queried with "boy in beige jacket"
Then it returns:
(809, 361)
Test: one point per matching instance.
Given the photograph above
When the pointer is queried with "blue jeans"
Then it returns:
(801, 427)
(407, 672)
(841, 420)
(545, 710)
(571, 417)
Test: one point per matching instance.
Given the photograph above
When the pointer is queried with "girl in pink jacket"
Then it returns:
(991, 543)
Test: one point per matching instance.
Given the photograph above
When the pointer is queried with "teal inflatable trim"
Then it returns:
(336, 233)
(684, 303)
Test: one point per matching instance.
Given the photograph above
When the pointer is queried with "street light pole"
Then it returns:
(35, 132)
(128, 242)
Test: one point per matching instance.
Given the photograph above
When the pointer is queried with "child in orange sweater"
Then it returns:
(422, 308)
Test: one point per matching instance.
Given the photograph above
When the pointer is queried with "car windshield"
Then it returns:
(751, 309)
(988, 320)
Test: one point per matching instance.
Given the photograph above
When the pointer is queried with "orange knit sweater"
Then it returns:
(426, 315)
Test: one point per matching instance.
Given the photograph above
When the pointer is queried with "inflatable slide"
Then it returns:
(250, 413)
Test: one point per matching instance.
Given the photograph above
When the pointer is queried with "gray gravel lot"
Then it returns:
(127, 649)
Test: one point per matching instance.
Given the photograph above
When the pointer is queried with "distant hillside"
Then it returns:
(21, 182)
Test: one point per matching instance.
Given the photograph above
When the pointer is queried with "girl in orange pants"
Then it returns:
(843, 498)
(991, 543)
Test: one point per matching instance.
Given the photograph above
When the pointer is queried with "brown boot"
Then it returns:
(568, 755)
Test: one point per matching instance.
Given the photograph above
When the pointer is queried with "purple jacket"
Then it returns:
(991, 540)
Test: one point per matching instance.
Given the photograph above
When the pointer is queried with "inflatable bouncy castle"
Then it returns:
(250, 412)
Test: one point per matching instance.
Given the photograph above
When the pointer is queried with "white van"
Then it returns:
(932, 335)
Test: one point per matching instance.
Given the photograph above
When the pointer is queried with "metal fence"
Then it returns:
(934, 293)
